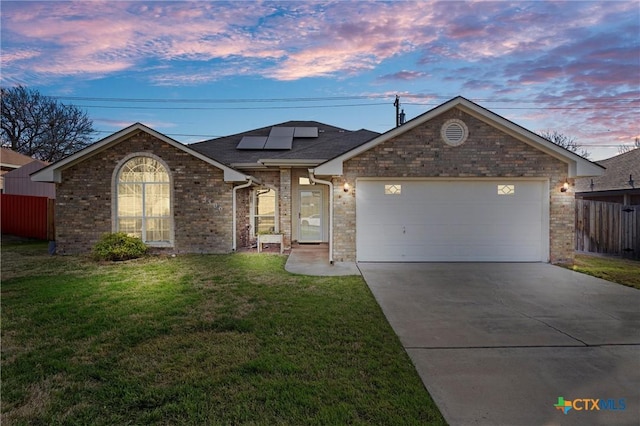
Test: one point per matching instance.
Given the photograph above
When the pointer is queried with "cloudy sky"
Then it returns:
(195, 70)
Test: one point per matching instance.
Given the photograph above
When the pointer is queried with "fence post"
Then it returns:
(51, 226)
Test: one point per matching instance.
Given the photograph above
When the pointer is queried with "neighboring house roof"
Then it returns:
(331, 141)
(10, 159)
(616, 175)
(52, 173)
(578, 166)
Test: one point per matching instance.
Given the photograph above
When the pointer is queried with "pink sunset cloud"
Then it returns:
(556, 54)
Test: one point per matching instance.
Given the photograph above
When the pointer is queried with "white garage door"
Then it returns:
(454, 220)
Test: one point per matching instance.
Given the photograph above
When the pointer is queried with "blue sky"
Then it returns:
(196, 70)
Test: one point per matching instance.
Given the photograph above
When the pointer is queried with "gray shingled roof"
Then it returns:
(331, 142)
(616, 176)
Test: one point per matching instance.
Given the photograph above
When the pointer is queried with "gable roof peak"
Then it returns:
(578, 166)
(53, 172)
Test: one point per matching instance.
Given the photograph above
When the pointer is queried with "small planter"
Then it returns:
(270, 239)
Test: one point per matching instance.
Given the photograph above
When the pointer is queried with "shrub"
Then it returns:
(119, 246)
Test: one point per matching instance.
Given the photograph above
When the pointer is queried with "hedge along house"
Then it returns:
(458, 183)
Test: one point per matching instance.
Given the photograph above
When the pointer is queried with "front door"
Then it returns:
(310, 223)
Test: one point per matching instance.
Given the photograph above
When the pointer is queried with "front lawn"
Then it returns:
(622, 271)
(198, 339)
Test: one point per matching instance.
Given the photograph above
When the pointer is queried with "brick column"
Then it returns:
(285, 205)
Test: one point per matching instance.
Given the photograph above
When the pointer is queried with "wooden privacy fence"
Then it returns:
(608, 228)
(27, 216)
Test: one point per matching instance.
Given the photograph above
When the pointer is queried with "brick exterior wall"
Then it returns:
(487, 152)
(202, 201)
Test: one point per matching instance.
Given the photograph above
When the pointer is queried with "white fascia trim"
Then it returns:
(52, 173)
(291, 162)
(248, 166)
(13, 166)
(577, 166)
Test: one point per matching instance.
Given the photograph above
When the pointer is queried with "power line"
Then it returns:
(218, 101)
(227, 108)
(183, 108)
(317, 99)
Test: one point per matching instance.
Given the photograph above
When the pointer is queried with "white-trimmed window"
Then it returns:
(143, 195)
(264, 211)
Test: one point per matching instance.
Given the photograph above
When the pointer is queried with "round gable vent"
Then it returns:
(454, 132)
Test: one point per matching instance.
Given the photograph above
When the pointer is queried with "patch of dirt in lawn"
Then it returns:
(37, 401)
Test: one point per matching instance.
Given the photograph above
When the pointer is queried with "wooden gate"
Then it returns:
(608, 228)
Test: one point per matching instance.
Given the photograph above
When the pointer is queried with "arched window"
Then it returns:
(144, 200)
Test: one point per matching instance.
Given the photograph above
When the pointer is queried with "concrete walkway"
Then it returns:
(498, 344)
(314, 260)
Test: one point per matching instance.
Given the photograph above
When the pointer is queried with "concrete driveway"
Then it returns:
(499, 343)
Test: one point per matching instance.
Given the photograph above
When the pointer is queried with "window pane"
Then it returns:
(132, 227)
(157, 200)
(143, 169)
(506, 189)
(158, 229)
(144, 200)
(129, 199)
(393, 189)
(266, 203)
(265, 224)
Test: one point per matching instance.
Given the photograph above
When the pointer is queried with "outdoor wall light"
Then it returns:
(345, 187)
(565, 187)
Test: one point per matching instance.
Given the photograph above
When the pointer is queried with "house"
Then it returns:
(9, 161)
(620, 182)
(457, 183)
(18, 181)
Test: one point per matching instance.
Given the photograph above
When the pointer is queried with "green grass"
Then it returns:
(622, 271)
(230, 339)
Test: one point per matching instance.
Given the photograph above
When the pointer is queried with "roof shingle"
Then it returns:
(616, 176)
(331, 142)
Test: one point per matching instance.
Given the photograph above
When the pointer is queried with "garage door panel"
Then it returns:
(450, 221)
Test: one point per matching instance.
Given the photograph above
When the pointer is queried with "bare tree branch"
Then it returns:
(40, 127)
(626, 148)
(567, 142)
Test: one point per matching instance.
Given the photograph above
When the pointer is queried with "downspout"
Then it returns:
(326, 182)
(233, 219)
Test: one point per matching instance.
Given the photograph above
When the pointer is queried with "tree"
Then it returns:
(622, 149)
(566, 142)
(40, 127)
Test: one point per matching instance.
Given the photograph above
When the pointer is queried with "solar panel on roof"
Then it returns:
(282, 131)
(252, 142)
(279, 142)
(305, 132)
